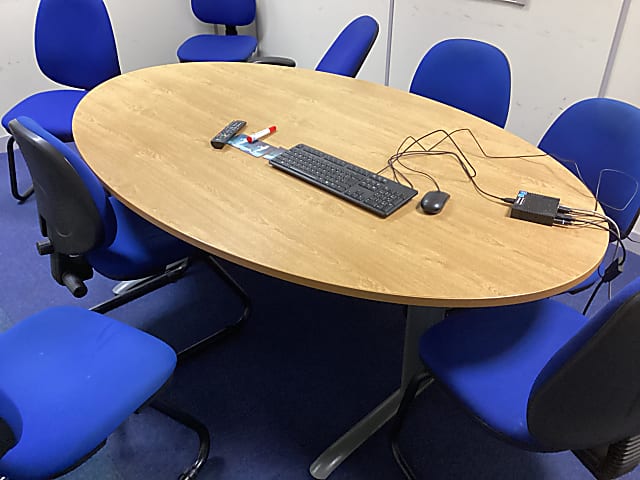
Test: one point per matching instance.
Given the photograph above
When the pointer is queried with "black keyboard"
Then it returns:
(355, 184)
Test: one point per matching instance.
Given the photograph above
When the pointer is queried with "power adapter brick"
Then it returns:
(535, 208)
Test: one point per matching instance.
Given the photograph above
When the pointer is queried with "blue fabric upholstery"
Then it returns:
(220, 48)
(74, 376)
(217, 48)
(467, 74)
(53, 108)
(139, 249)
(10, 414)
(489, 359)
(579, 340)
(349, 50)
(74, 42)
(74, 46)
(132, 247)
(495, 360)
(599, 134)
(225, 12)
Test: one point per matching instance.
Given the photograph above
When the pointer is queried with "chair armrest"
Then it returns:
(282, 61)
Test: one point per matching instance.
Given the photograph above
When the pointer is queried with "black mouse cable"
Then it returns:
(395, 158)
(399, 153)
(471, 174)
(465, 164)
(449, 135)
(485, 154)
(467, 167)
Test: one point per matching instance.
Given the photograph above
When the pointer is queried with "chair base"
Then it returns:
(195, 425)
(148, 285)
(611, 461)
(13, 180)
(229, 329)
(172, 274)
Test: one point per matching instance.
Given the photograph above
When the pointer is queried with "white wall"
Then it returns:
(558, 50)
(555, 58)
(147, 32)
(304, 30)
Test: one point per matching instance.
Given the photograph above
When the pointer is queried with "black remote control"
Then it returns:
(221, 139)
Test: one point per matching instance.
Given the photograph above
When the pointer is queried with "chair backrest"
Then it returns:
(349, 50)
(602, 137)
(10, 423)
(471, 75)
(224, 12)
(588, 394)
(72, 205)
(74, 42)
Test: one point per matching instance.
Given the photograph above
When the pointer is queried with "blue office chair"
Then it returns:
(543, 377)
(470, 75)
(598, 139)
(74, 46)
(69, 378)
(88, 230)
(230, 47)
(346, 54)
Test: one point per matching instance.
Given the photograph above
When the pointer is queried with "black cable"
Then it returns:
(465, 164)
(469, 169)
(593, 295)
(615, 267)
(581, 222)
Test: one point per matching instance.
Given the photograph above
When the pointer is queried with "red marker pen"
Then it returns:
(262, 133)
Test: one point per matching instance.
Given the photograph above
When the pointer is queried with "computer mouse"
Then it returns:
(434, 201)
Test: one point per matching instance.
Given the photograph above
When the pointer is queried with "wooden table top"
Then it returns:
(146, 136)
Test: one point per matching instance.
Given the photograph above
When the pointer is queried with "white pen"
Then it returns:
(262, 133)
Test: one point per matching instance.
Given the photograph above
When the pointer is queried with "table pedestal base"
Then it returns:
(418, 320)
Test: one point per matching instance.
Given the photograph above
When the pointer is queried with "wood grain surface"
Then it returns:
(146, 136)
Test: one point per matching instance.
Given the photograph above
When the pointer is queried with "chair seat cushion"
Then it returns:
(139, 249)
(52, 109)
(75, 376)
(217, 48)
(489, 359)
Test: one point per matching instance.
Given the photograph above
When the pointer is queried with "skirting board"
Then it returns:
(3, 143)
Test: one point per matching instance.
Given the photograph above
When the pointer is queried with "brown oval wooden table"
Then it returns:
(146, 136)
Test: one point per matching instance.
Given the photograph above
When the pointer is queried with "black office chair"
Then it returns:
(346, 54)
(68, 379)
(542, 377)
(74, 46)
(88, 230)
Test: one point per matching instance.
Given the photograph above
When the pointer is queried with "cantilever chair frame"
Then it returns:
(70, 268)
